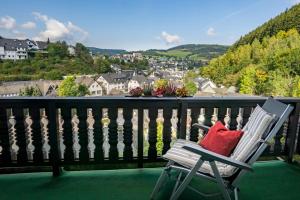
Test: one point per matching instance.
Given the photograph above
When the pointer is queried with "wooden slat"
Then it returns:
(98, 133)
(182, 117)
(167, 113)
(4, 137)
(83, 136)
(51, 112)
(113, 134)
(194, 130)
(152, 152)
(128, 153)
(34, 113)
(234, 115)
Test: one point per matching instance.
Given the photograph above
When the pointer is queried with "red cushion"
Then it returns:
(221, 140)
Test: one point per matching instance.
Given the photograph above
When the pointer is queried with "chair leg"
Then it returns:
(220, 182)
(177, 183)
(187, 180)
(161, 180)
(236, 194)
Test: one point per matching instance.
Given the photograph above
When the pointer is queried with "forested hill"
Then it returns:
(285, 21)
(191, 51)
(108, 52)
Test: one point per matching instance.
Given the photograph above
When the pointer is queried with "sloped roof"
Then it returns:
(13, 44)
(139, 78)
(85, 80)
(14, 87)
(121, 77)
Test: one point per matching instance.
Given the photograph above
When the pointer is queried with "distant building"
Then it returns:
(205, 85)
(114, 83)
(71, 50)
(95, 89)
(136, 81)
(14, 49)
(13, 88)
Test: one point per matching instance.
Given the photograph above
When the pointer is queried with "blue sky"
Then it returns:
(136, 24)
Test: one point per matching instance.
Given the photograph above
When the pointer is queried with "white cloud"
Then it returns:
(19, 35)
(56, 30)
(28, 25)
(7, 22)
(39, 16)
(211, 31)
(169, 38)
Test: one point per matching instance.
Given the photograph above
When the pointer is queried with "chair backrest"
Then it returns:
(282, 112)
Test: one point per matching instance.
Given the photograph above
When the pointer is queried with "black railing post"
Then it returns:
(292, 132)
(54, 151)
(182, 119)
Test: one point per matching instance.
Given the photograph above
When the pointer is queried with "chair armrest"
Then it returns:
(201, 126)
(207, 155)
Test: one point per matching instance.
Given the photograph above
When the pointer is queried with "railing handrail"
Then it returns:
(112, 103)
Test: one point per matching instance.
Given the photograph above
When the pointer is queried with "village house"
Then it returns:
(14, 49)
(14, 88)
(205, 85)
(94, 88)
(114, 83)
(136, 81)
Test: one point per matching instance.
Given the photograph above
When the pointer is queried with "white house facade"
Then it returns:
(14, 49)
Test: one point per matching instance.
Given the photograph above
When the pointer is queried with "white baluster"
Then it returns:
(214, 117)
(174, 121)
(146, 132)
(134, 122)
(90, 129)
(45, 135)
(28, 135)
(227, 118)
(14, 148)
(201, 120)
(105, 122)
(120, 122)
(188, 124)
(62, 146)
(75, 131)
(239, 119)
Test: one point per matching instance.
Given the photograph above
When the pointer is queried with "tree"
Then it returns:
(58, 50)
(191, 87)
(31, 91)
(261, 68)
(83, 53)
(68, 87)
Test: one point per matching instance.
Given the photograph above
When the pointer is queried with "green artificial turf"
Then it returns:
(274, 180)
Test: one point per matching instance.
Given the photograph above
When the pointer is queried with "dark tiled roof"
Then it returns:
(13, 44)
(117, 77)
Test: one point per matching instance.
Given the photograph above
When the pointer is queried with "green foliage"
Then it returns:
(283, 22)
(160, 83)
(58, 50)
(31, 91)
(159, 143)
(68, 87)
(270, 67)
(191, 87)
(190, 51)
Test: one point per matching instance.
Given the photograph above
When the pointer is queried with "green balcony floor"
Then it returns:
(274, 180)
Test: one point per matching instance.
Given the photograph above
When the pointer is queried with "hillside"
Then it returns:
(269, 68)
(284, 21)
(191, 51)
(108, 52)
